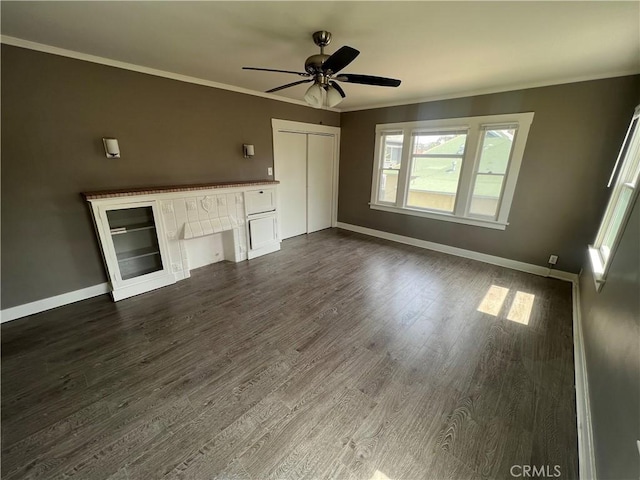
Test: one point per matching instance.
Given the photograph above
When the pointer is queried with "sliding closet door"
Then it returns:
(290, 154)
(320, 152)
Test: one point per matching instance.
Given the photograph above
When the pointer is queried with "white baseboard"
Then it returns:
(461, 252)
(53, 302)
(586, 454)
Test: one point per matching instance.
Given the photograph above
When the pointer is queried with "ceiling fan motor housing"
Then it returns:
(313, 64)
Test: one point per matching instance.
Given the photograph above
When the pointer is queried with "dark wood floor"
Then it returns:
(340, 356)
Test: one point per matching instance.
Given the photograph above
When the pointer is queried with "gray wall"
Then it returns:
(56, 110)
(576, 133)
(611, 329)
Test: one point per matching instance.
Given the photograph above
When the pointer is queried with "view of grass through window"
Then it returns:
(492, 170)
(460, 170)
(436, 162)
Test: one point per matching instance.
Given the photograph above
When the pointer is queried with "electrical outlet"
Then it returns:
(553, 259)
(270, 171)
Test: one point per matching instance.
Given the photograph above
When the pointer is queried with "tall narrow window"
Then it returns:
(390, 166)
(494, 155)
(624, 182)
(436, 162)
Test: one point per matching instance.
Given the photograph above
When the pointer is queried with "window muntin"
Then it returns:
(436, 160)
(625, 185)
(494, 154)
(443, 173)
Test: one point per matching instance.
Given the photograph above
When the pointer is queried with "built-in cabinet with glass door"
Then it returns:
(134, 249)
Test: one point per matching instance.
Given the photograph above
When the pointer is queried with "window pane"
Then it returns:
(388, 186)
(492, 169)
(391, 152)
(446, 143)
(486, 195)
(616, 221)
(625, 149)
(435, 170)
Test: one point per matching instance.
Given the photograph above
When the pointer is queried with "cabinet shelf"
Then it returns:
(139, 253)
(132, 228)
(138, 273)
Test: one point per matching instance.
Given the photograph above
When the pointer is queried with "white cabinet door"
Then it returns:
(260, 201)
(290, 161)
(262, 232)
(134, 248)
(320, 150)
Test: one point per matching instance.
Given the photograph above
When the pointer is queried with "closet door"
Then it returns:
(320, 152)
(290, 154)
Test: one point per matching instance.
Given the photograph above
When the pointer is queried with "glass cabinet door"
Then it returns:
(135, 240)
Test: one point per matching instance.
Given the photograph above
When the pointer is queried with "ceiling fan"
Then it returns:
(323, 70)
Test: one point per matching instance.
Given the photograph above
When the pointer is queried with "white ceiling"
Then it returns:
(437, 49)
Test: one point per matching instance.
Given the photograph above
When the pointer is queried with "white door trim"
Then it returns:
(279, 125)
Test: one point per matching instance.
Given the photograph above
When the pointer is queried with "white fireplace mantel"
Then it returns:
(243, 214)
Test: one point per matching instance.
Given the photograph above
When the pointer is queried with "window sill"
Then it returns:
(597, 267)
(447, 217)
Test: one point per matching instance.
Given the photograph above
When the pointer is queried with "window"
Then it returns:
(624, 190)
(459, 169)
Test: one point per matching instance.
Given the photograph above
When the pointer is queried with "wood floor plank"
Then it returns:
(340, 356)
(324, 442)
(36, 446)
(554, 444)
(131, 445)
(192, 452)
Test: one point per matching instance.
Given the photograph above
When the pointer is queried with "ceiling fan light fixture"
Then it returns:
(333, 97)
(314, 95)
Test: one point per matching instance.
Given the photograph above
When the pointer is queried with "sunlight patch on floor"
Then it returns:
(493, 300)
(520, 310)
(521, 306)
(378, 475)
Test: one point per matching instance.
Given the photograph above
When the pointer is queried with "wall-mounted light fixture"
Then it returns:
(248, 151)
(111, 147)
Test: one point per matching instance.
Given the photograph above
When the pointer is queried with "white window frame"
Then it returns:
(474, 127)
(625, 177)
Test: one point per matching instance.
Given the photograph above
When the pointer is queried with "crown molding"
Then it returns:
(41, 47)
(489, 91)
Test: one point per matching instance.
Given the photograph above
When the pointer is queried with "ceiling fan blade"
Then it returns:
(302, 74)
(367, 80)
(289, 85)
(338, 88)
(340, 59)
